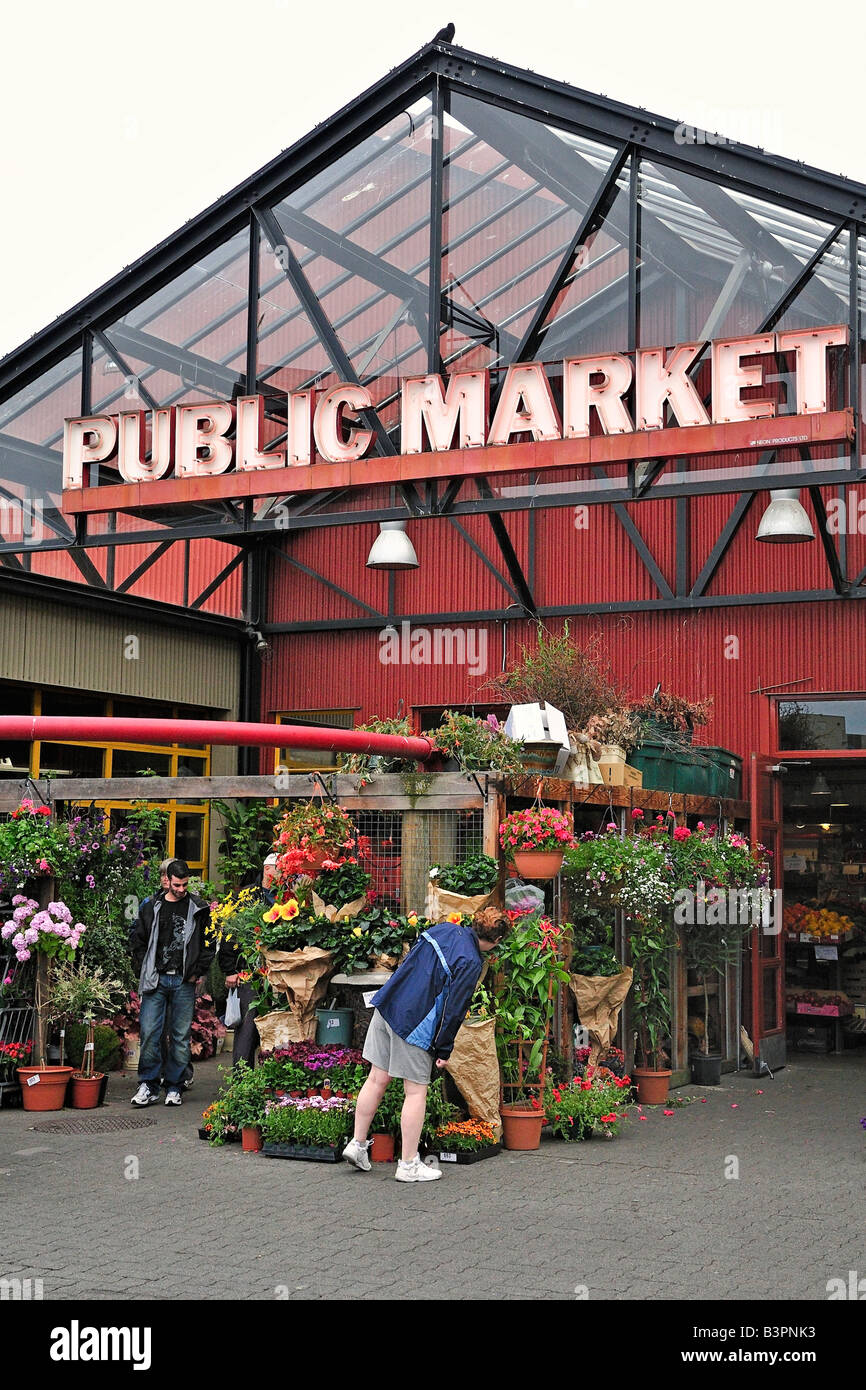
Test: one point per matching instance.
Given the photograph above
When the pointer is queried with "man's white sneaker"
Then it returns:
(173, 1098)
(144, 1096)
(356, 1153)
(416, 1171)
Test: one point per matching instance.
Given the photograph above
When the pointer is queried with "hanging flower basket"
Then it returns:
(538, 864)
(534, 840)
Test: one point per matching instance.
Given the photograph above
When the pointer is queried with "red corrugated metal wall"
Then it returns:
(724, 652)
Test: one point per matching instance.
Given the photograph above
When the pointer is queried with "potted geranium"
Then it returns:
(51, 935)
(534, 840)
(313, 834)
(587, 1105)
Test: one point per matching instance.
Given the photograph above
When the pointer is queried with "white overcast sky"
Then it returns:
(120, 121)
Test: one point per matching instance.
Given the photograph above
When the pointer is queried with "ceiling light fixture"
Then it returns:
(785, 521)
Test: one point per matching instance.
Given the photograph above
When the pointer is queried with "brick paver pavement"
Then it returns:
(649, 1215)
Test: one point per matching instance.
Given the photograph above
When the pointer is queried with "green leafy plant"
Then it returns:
(479, 745)
(107, 1051)
(530, 971)
(82, 996)
(247, 839)
(342, 885)
(244, 1095)
(32, 843)
(365, 765)
(650, 945)
(586, 1105)
(478, 873)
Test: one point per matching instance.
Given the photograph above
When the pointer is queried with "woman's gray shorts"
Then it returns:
(383, 1048)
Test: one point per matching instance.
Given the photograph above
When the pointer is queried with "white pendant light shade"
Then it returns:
(785, 521)
(392, 548)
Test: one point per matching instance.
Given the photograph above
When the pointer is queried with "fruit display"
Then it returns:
(832, 1003)
(821, 923)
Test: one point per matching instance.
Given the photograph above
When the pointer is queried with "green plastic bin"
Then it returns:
(334, 1026)
(699, 770)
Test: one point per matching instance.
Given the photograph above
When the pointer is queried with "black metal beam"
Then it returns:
(337, 354)
(840, 583)
(594, 215)
(788, 296)
(673, 605)
(131, 579)
(216, 581)
(648, 560)
(720, 549)
(83, 562)
(503, 540)
(483, 557)
(328, 583)
(341, 251)
(123, 366)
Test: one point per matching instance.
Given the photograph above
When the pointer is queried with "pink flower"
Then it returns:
(637, 813)
(667, 1112)
(44, 866)
(641, 1117)
(734, 1105)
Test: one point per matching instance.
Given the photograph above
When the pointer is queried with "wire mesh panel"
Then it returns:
(400, 847)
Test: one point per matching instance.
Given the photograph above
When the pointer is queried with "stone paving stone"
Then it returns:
(649, 1215)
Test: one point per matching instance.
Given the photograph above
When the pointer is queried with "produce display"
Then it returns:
(821, 923)
(830, 1003)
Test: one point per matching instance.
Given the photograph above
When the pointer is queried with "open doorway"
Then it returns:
(824, 865)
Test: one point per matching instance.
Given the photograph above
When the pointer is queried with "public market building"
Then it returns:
(570, 356)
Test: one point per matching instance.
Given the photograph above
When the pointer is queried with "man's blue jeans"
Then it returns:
(174, 1000)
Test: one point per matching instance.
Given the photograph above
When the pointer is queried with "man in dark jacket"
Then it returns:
(171, 955)
(415, 1021)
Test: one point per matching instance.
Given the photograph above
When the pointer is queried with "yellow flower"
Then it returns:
(289, 909)
(356, 931)
(454, 917)
(272, 914)
(412, 919)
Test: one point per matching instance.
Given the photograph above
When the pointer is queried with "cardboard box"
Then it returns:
(620, 775)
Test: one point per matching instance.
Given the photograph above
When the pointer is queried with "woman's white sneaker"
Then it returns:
(416, 1171)
(356, 1153)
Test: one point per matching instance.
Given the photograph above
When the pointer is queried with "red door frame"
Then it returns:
(767, 952)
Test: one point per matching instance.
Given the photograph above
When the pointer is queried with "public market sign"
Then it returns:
(205, 440)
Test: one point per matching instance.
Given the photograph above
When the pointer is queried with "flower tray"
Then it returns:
(314, 1153)
(465, 1156)
(825, 1010)
(229, 1138)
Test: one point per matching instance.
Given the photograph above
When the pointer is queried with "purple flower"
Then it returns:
(90, 881)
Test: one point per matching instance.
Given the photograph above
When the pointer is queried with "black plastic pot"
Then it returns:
(706, 1068)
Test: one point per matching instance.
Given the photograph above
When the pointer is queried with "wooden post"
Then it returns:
(414, 861)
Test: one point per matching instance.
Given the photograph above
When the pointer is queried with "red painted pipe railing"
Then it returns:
(188, 732)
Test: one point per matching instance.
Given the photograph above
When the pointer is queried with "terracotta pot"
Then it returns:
(312, 1091)
(521, 1126)
(382, 1148)
(294, 1094)
(84, 1091)
(251, 1139)
(652, 1086)
(326, 1093)
(46, 1093)
(538, 863)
